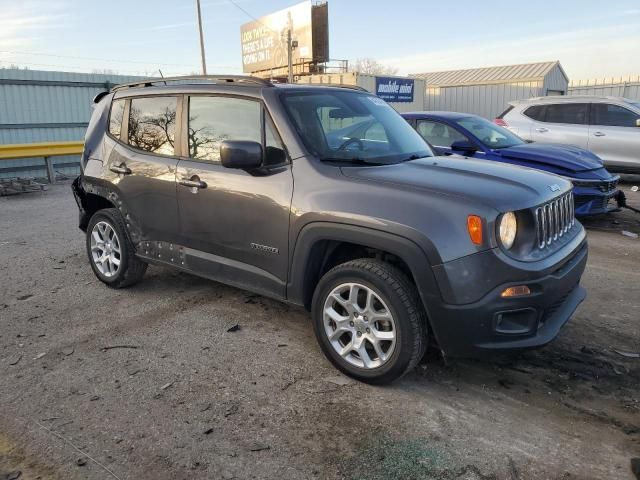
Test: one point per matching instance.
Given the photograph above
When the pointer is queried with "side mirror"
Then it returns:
(463, 146)
(240, 154)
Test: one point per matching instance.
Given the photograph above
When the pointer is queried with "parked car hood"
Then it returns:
(561, 159)
(496, 185)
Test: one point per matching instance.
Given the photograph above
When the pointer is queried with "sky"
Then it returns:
(591, 39)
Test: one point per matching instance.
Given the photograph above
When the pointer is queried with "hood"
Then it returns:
(560, 159)
(496, 185)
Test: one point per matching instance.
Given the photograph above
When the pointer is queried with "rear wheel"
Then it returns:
(111, 253)
(369, 321)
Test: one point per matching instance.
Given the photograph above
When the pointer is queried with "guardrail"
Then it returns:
(45, 150)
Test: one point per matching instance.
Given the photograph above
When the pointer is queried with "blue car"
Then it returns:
(473, 136)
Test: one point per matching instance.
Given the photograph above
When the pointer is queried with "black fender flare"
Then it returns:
(407, 250)
(84, 185)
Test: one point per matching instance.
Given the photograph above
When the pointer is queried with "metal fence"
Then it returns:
(46, 106)
(608, 87)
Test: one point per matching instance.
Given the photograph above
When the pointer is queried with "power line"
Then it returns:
(243, 11)
(232, 2)
(143, 73)
(95, 58)
(133, 62)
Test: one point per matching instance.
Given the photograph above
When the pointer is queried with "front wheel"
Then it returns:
(369, 321)
(111, 253)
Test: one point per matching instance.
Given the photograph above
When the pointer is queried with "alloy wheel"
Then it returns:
(359, 325)
(105, 249)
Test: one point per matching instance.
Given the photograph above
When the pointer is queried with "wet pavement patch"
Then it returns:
(386, 458)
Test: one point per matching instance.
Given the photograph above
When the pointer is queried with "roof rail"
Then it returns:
(334, 85)
(215, 79)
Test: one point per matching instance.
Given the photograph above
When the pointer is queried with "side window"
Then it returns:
(152, 124)
(535, 112)
(612, 115)
(438, 134)
(274, 150)
(572, 113)
(215, 119)
(115, 117)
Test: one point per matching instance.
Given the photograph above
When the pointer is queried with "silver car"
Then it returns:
(607, 126)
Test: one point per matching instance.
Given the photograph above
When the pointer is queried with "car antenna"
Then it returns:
(161, 75)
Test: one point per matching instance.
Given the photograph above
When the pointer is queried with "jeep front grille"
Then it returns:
(554, 219)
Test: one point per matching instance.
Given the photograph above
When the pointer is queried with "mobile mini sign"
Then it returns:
(393, 89)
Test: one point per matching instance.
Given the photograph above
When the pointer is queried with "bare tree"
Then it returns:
(371, 66)
(104, 71)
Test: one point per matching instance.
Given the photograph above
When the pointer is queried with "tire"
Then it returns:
(108, 226)
(365, 279)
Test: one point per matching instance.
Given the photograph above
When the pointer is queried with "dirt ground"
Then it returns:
(183, 398)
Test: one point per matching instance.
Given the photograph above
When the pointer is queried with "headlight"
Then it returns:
(507, 227)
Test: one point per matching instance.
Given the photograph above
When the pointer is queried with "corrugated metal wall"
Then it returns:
(490, 99)
(46, 106)
(627, 88)
(555, 81)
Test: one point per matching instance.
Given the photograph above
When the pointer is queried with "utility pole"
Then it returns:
(204, 62)
(289, 48)
(290, 55)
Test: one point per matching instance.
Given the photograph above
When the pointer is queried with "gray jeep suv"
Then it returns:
(390, 248)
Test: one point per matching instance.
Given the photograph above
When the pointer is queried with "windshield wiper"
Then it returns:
(413, 157)
(355, 160)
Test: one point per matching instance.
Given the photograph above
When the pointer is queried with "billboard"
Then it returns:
(264, 41)
(393, 89)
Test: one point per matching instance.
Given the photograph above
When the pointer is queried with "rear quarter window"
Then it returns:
(535, 112)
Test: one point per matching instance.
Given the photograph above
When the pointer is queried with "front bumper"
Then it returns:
(593, 197)
(494, 323)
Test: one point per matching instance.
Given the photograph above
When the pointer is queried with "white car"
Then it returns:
(607, 126)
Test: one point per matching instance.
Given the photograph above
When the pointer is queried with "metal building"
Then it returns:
(487, 91)
(46, 106)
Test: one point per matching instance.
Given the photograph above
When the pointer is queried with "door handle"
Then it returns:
(121, 169)
(193, 182)
(599, 134)
(542, 129)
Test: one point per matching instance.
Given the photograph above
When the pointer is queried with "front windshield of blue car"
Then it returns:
(350, 126)
(490, 134)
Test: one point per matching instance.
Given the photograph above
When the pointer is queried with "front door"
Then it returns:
(234, 223)
(441, 136)
(614, 136)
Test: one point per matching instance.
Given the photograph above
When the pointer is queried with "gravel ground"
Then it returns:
(148, 383)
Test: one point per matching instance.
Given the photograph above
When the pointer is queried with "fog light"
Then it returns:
(518, 291)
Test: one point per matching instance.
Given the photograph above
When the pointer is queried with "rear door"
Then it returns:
(142, 163)
(563, 123)
(614, 136)
(236, 224)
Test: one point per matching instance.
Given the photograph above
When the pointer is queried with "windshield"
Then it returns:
(490, 134)
(635, 104)
(348, 126)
